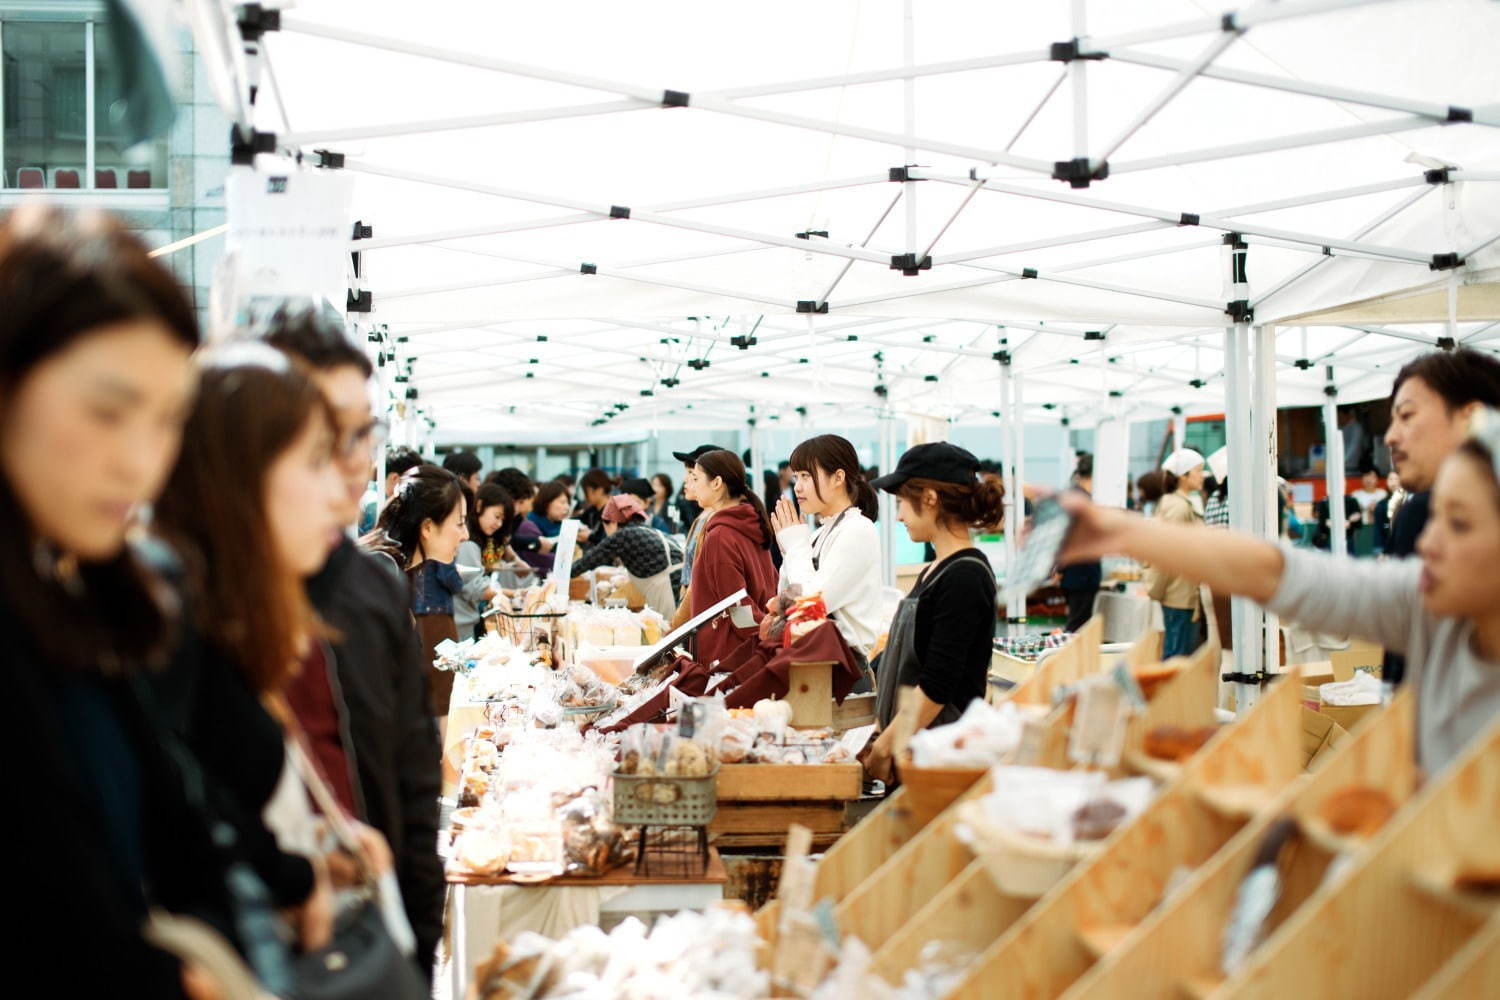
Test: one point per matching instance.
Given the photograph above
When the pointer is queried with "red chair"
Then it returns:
(104, 177)
(31, 177)
(66, 177)
(138, 179)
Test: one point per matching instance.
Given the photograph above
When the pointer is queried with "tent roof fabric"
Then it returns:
(833, 206)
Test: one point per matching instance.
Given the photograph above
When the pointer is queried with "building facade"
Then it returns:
(59, 108)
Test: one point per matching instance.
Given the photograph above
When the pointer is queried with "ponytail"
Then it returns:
(726, 465)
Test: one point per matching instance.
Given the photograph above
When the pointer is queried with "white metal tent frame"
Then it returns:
(847, 349)
(867, 346)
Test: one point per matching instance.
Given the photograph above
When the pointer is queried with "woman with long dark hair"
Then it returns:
(258, 453)
(535, 538)
(420, 529)
(661, 503)
(942, 636)
(481, 554)
(733, 553)
(841, 559)
(96, 379)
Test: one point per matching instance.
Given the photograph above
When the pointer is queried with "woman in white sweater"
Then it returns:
(1442, 611)
(841, 559)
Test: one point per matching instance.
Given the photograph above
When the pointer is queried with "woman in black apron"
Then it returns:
(941, 637)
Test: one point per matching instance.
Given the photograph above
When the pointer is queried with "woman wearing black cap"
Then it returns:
(941, 637)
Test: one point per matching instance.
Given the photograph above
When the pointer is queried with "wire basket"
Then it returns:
(523, 630)
(655, 800)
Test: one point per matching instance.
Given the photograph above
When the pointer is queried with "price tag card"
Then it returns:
(1099, 724)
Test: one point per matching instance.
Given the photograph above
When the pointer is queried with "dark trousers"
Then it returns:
(1080, 608)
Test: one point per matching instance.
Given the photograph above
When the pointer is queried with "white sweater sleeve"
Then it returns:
(1374, 600)
(848, 564)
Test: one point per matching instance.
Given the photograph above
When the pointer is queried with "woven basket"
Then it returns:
(1020, 865)
(654, 800)
(930, 790)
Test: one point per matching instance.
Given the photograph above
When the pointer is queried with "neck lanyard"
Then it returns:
(823, 538)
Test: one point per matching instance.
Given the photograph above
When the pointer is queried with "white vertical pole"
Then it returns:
(887, 520)
(1264, 454)
(88, 106)
(1236, 400)
(909, 97)
(1179, 429)
(1015, 506)
(1079, 82)
(1068, 459)
(1334, 450)
(541, 456)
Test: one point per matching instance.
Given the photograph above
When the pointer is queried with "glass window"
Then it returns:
(116, 162)
(46, 112)
(45, 95)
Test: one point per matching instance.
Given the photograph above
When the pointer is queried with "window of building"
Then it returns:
(61, 90)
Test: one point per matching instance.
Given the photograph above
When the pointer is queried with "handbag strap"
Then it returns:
(322, 795)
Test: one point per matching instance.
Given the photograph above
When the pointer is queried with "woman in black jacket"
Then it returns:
(95, 380)
(376, 653)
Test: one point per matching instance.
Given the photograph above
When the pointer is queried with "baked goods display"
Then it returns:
(688, 954)
(1357, 811)
(1177, 743)
(983, 736)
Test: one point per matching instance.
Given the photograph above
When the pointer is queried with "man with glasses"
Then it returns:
(380, 684)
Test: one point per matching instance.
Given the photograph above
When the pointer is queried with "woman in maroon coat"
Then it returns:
(733, 553)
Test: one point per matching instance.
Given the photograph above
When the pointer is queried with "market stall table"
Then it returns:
(485, 910)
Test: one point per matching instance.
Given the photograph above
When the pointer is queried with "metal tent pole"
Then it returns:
(1264, 452)
(1015, 505)
(886, 464)
(1334, 470)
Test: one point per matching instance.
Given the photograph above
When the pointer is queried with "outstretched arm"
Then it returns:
(1228, 562)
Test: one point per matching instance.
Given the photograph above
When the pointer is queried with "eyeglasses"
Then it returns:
(366, 437)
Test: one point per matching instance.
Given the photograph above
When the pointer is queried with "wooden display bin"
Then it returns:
(1176, 951)
(1048, 946)
(1394, 921)
(898, 836)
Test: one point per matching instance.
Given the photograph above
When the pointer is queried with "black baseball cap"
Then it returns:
(937, 460)
(691, 457)
(637, 487)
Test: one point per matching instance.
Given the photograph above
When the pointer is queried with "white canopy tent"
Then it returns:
(602, 215)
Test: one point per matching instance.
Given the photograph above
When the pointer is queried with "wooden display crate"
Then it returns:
(1048, 946)
(1473, 972)
(905, 837)
(772, 782)
(1393, 921)
(1177, 949)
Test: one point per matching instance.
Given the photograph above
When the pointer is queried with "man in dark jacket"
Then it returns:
(1081, 581)
(381, 687)
(1431, 403)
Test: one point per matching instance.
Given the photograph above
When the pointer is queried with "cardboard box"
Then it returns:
(1348, 716)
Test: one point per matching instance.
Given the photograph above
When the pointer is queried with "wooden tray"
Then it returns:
(1392, 922)
(779, 782)
(1096, 907)
(1177, 949)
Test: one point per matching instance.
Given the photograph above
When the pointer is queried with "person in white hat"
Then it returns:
(1178, 595)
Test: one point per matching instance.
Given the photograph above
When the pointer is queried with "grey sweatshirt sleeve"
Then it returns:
(1374, 600)
(470, 563)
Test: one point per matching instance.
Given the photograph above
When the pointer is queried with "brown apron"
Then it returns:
(434, 629)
